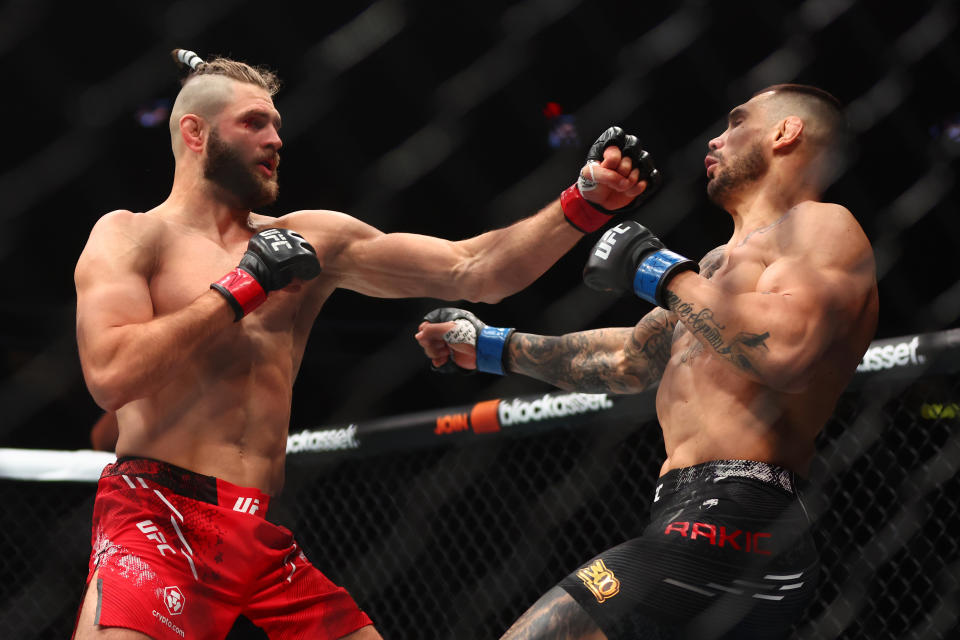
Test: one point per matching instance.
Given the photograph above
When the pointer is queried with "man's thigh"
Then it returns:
(298, 600)
(87, 627)
(651, 587)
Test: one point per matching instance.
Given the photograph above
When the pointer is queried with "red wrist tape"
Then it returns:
(580, 213)
(241, 290)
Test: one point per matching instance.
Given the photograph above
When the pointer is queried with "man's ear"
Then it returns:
(788, 133)
(193, 131)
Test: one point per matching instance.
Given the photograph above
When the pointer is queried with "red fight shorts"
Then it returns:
(182, 555)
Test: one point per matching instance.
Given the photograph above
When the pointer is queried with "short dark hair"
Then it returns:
(821, 105)
(832, 132)
(806, 89)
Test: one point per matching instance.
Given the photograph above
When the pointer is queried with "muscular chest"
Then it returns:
(735, 271)
(740, 269)
(187, 265)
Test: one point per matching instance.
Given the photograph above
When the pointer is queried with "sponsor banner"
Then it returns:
(551, 406)
(902, 357)
(887, 354)
(484, 417)
(492, 415)
(931, 352)
(909, 357)
(429, 428)
(324, 440)
(480, 418)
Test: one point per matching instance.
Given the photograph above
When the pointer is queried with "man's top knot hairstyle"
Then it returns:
(220, 66)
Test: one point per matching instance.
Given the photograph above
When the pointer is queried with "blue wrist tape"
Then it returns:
(490, 344)
(647, 280)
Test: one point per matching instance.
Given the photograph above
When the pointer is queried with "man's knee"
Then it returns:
(556, 615)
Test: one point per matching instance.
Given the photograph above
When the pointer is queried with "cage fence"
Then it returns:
(450, 523)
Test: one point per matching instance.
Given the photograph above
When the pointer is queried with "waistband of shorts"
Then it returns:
(140, 473)
(719, 470)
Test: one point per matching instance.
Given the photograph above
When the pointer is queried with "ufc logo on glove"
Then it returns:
(603, 248)
(277, 239)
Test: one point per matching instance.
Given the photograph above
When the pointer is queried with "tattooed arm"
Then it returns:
(744, 350)
(775, 332)
(619, 360)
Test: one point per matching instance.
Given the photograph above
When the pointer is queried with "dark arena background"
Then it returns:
(450, 118)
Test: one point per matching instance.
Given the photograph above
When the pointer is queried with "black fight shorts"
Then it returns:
(727, 554)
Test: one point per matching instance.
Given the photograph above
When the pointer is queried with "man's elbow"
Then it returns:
(106, 399)
(474, 285)
(486, 297)
(108, 388)
(788, 364)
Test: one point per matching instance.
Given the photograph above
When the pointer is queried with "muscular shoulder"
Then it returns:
(328, 231)
(824, 258)
(123, 236)
(828, 235)
(123, 221)
(826, 213)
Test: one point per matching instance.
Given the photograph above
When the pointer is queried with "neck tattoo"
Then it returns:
(765, 229)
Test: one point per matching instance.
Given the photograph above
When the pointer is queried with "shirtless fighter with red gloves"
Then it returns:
(200, 376)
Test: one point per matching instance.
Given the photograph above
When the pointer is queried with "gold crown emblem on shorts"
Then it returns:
(600, 580)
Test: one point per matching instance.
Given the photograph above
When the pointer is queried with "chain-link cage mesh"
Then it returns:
(456, 542)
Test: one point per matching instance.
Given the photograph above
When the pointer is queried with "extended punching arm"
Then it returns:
(588, 216)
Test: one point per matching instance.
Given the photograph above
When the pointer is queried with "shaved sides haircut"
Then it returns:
(208, 89)
(825, 126)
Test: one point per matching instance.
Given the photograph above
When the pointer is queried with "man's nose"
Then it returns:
(274, 140)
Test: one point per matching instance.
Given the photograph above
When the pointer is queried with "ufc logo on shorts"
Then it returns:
(606, 243)
(277, 238)
(153, 533)
(247, 505)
